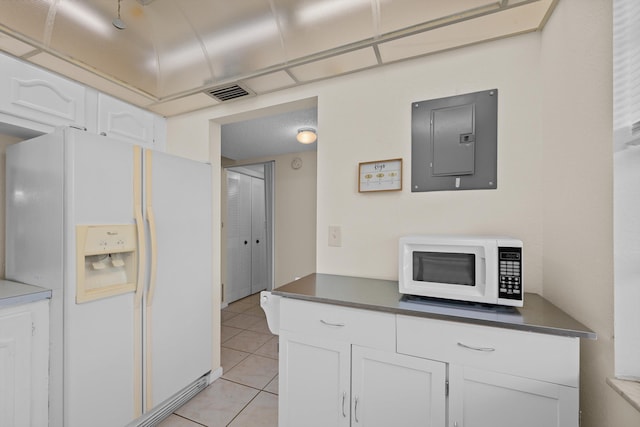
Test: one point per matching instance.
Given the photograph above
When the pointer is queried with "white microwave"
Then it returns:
(482, 269)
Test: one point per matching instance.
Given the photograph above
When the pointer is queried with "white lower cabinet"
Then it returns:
(480, 398)
(24, 339)
(350, 367)
(314, 377)
(338, 367)
(390, 389)
(499, 377)
(328, 383)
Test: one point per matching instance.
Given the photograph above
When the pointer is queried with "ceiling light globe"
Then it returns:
(306, 136)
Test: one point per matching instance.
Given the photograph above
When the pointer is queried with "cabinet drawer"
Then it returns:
(533, 355)
(355, 326)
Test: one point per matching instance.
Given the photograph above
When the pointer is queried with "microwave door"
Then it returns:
(442, 267)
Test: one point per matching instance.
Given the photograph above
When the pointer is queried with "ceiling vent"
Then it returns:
(228, 92)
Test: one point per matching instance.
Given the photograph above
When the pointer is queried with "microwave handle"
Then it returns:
(470, 347)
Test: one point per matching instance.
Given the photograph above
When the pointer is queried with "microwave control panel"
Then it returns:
(510, 273)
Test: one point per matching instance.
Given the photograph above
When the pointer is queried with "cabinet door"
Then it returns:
(258, 236)
(15, 368)
(480, 398)
(37, 99)
(313, 382)
(390, 389)
(125, 122)
(238, 228)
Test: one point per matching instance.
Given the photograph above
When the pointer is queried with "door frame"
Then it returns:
(269, 184)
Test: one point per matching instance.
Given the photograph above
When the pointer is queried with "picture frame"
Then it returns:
(380, 175)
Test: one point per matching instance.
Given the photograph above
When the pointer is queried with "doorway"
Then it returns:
(249, 230)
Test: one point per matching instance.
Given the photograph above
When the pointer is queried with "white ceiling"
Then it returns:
(267, 136)
(172, 52)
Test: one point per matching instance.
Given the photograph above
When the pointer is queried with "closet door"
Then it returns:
(258, 236)
(238, 228)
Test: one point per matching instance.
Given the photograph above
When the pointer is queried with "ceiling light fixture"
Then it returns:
(306, 136)
(117, 22)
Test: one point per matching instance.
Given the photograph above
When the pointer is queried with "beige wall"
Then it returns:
(5, 140)
(554, 169)
(577, 138)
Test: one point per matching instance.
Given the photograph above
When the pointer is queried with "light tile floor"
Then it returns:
(247, 393)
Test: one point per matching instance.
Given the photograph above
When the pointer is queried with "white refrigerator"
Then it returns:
(122, 235)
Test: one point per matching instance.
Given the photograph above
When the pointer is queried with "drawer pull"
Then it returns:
(335, 325)
(470, 347)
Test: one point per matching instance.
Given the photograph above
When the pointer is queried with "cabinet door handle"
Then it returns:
(344, 398)
(335, 325)
(355, 410)
(470, 347)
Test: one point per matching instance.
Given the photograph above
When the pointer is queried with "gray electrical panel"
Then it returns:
(454, 142)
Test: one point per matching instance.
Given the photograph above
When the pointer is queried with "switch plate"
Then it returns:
(335, 235)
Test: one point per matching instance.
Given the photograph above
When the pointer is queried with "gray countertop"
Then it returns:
(14, 293)
(537, 315)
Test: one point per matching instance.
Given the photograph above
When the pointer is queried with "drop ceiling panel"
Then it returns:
(26, 17)
(237, 40)
(336, 65)
(394, 16)
(269, 82)
(120, 57)
(321, 25)
(512, 21)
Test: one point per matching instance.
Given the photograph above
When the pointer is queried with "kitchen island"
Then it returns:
(354, 351)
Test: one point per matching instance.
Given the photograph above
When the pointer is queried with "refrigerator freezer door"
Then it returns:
(98, 335)
(179, 305)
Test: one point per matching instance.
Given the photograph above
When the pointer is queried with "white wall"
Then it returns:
(554, 169)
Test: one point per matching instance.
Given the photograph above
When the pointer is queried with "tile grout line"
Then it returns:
(262, 318)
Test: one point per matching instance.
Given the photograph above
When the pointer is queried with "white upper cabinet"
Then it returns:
(123, 121)
(37, 99)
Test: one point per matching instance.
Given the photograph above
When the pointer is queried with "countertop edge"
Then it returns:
(494, 323)
(15, 293)
(538, 315)
(25, 299)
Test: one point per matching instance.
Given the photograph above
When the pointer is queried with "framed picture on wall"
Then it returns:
(380, 175)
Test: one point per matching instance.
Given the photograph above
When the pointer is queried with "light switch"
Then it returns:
(335, 235)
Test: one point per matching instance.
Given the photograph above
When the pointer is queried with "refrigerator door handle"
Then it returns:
(154, 254)
(137, 203)
(152, 227)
